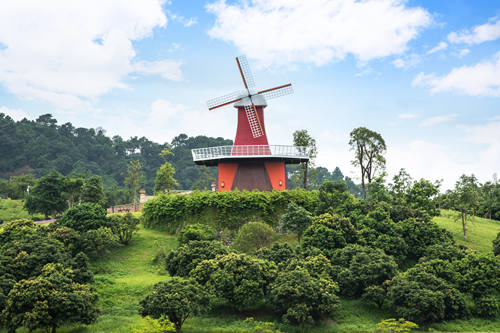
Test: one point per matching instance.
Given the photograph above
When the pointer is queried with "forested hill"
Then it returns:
(43, 145)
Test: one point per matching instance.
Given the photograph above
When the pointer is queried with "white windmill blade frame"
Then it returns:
(245, 71)
(286, 89)
(253, 121)
(226, 99)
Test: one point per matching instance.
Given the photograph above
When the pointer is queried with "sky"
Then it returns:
(424, 74)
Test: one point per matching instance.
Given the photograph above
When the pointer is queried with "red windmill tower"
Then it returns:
(251, 163)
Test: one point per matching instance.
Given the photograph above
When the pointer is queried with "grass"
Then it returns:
(127, 275)
(480, 232)
(14, 209)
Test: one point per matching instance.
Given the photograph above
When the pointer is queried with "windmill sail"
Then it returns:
(225, 100)
(246, 73)
(253, 120)
(277, 91)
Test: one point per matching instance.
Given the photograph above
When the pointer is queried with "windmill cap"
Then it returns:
(258, 100)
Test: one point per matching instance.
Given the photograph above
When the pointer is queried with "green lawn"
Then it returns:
(480, 232)
(14, 209)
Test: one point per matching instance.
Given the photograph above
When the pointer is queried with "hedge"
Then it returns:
(229, 209)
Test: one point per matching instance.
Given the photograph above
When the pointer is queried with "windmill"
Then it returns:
(251, 163)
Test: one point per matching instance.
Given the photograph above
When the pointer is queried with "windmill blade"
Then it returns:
(275, 92)
(253, 120)
(246, 73)
(225, 100)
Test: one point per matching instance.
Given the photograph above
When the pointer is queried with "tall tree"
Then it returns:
(47, 196)
(301, 138)
(134, 178)
(165, 180)
(73, 189)
(465, 198)
(369, 148)
(93, 191)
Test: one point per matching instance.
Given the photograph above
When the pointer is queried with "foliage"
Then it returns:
(261, 327)
(134, 178)
(93, 191)
(496, 245)
(155, 326)
(296, 219)
(185, 258)
(392, 325)
(175, 300)
(318, 266)
(478, 275)
(465, 198)
(487, 306)
(196, 231)
(124, 226)
(49, 301)
(227, 209)
(46, 197)
(165, 180)
(239, 279)
(302, 139)
(301, 299)
(253, 236)
(84, 217)
(100, 241)
(280, 253)
(369, 148)
(375, 294)
(329, 232)
(422, 297)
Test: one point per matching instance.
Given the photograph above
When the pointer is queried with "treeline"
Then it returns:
(40, 146)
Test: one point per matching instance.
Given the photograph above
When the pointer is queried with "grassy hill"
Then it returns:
(14, 209)
(480, 231)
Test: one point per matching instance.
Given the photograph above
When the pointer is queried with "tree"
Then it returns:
(369, 148)
(176, 300)
(73, 189)
(465, 198)
(124, 226)
(239, 279)
(134, 178)
(496, 245)
(296, 219)
(47, 196)
(165, 180)
(253, 236)
(186, 257)
(301, 299)
(196, 231)
(49, 301)
(302, 139)
(93, 191)
(84, 217)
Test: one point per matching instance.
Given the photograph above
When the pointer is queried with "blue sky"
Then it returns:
(424, 74)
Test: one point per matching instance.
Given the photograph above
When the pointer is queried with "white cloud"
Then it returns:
(71, 52)
(169, 69)
(478, 34)
(481, 79)
(463, 53)
(437, 120)
(440, 47)
(406, 116)
(16, 114)
(317, 31)
(407, 61)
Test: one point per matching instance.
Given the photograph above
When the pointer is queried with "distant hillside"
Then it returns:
(480, 231)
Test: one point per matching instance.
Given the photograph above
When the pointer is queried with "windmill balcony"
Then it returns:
(213, 155)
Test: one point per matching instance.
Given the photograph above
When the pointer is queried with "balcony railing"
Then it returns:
(243, 151)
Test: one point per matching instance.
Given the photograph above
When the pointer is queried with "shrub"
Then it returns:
(317, 266)
(300, 298)
(200, 232)
(124, 226)
(239, 279)
(185, 258)
(496, 245)
(329, 232)
(446, 251)
(488, 306)
(253, 236)
(17, 230)
(478, 274)
(279, 253)
(422, 297)
(99, 242)
(296, 219)
(392, 325)
(227, 209)
(155, 326)
(84, 217)
(375, 294)
(176, 300)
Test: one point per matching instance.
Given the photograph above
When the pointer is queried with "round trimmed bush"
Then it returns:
(84, 217)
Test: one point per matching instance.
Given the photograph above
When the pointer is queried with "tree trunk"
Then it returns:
(363, 187)
(54, 329)
(305, 175)
(464, 224)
